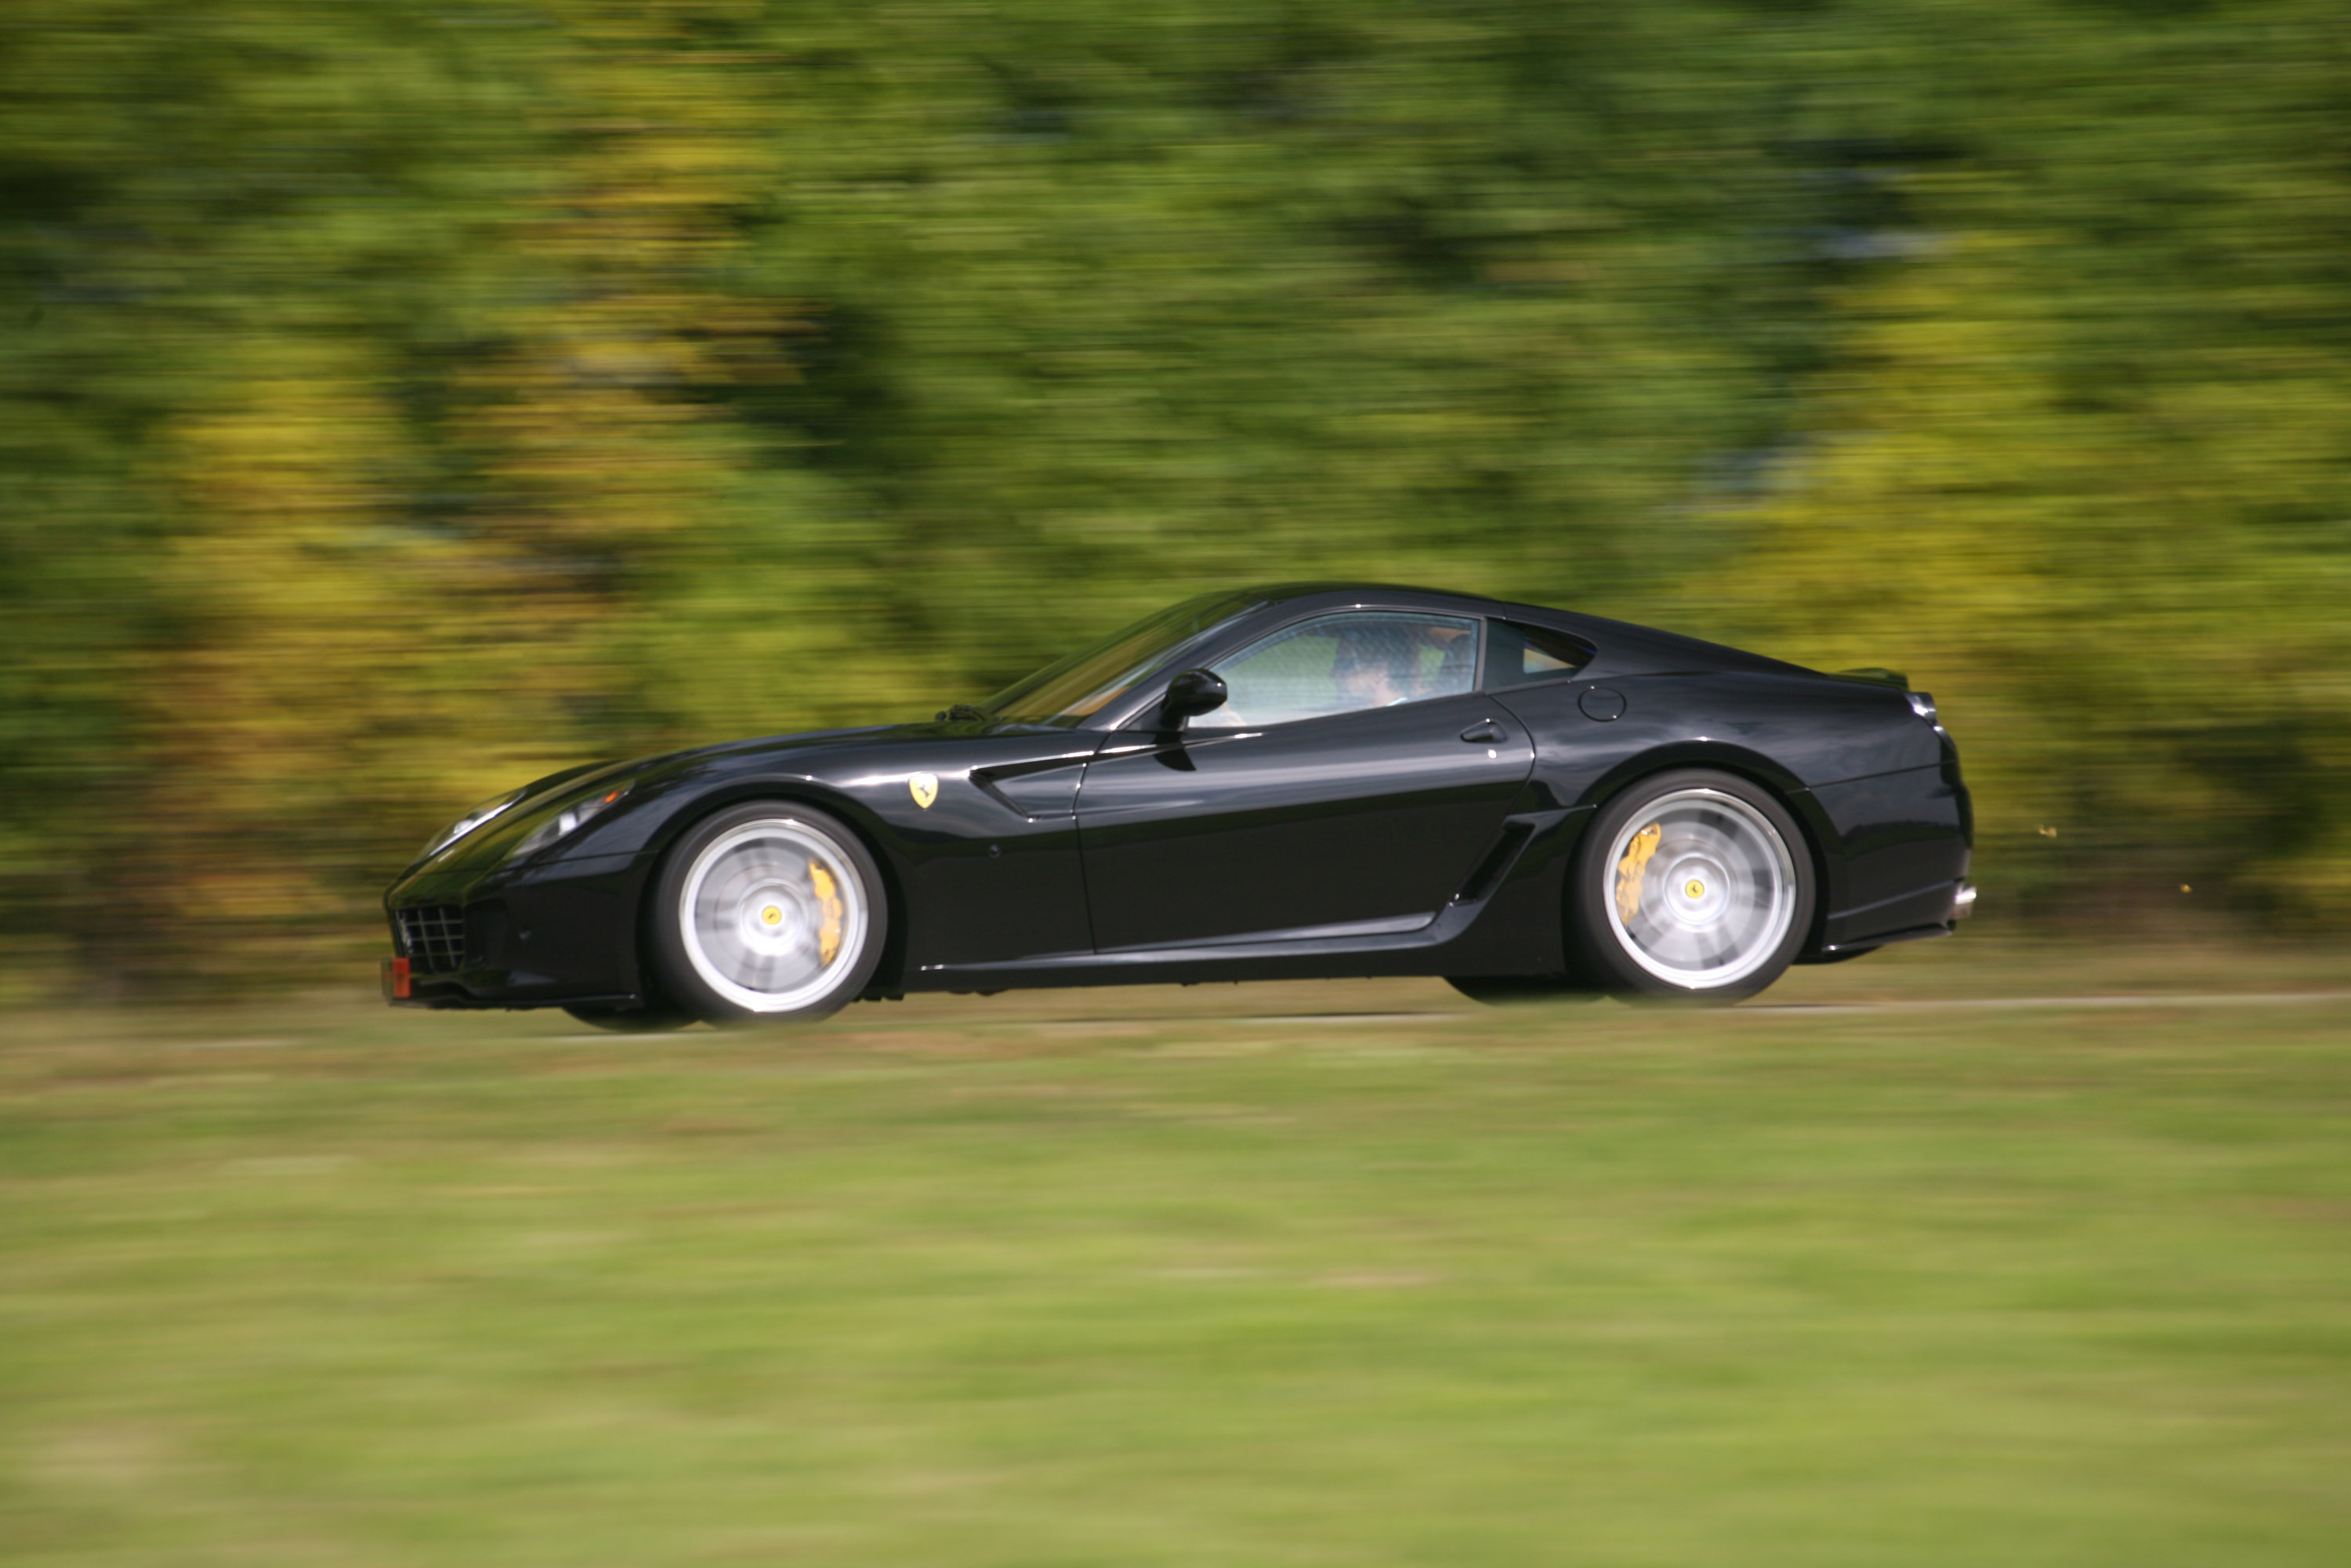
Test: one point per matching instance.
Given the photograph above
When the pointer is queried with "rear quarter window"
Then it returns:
(1516, 654)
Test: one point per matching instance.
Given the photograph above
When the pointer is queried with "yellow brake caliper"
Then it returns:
(1630, 870)
(828, 936)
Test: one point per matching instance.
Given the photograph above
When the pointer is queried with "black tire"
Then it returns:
(639, 1021)
(1521, 990)
(1692, 884)
(769, 912)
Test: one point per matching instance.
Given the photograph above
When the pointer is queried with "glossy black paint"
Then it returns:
(1204, 836)
(1431, 837)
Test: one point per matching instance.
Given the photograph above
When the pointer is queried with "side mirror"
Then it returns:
(1193, 693)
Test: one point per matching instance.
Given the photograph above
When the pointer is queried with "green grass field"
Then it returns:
(1219, 1276)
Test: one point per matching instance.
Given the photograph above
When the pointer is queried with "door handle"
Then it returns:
(1484, 732)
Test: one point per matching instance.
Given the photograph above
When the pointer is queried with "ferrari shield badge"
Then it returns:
(924, 788)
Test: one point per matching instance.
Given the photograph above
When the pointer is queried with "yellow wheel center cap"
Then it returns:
(1695, 888)
(774, 916)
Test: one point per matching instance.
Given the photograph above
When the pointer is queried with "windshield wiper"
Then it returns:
(960, 712)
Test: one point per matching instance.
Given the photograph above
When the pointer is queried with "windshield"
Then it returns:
(1074, 689)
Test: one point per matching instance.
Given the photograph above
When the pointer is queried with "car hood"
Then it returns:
(807, 753)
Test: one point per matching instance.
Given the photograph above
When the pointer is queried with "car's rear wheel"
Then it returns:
(1692, 884)
(1520, 990)
(769, 912)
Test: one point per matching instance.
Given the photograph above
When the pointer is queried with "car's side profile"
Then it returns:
(1300, 780)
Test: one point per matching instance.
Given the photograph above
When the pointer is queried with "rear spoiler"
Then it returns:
(1874, 675)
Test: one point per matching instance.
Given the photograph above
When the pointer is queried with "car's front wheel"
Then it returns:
(767, 912)
(651, 1019)
(1692, 884)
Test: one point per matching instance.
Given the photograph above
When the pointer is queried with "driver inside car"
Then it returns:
(1375, 672)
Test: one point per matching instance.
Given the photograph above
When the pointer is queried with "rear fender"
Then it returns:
(1822, 842)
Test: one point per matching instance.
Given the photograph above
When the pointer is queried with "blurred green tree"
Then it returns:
(401, 400)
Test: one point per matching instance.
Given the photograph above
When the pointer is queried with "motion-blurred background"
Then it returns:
(399, 399)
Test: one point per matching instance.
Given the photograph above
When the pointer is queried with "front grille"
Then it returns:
(434, 938)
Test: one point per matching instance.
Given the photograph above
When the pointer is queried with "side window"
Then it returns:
(1340, 663)
(1516, 655)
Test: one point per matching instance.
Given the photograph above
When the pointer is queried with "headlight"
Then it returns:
(569, 819)
(469, 821)
(1922, 705)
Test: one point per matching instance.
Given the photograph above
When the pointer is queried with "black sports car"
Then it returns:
(1281, 783)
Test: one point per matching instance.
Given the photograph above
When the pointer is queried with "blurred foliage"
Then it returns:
(401, 400)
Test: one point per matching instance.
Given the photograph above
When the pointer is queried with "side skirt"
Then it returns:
(1438, 944)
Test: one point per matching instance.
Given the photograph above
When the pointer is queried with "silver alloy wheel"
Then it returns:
(1703, 889)
(773, 913)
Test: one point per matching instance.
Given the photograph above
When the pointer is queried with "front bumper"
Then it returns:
(543, 936)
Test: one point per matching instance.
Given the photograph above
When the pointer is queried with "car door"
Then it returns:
(1351, 784)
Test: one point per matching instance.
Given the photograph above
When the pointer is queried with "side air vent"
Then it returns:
(1496, 862)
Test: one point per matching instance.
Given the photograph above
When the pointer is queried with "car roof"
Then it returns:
(1622, 647)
